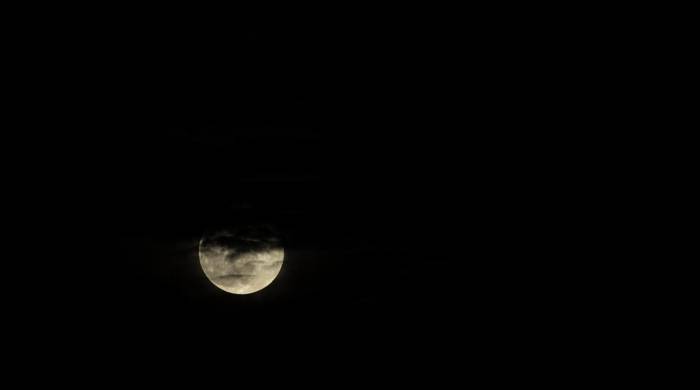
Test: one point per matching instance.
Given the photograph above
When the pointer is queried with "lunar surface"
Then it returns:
(241, 261)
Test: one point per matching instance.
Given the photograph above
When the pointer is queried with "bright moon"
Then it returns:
(241, 261)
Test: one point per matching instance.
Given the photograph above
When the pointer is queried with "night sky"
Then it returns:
(403, 183)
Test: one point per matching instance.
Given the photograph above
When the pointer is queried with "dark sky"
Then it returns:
(401, 180)
(355, 169)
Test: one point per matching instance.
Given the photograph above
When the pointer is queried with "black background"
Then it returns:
(402, 168)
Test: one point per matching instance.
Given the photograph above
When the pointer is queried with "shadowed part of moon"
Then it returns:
(241, 262)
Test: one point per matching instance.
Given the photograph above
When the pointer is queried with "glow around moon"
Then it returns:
(241, 261)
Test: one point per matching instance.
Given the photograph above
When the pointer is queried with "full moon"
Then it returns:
(241, 261)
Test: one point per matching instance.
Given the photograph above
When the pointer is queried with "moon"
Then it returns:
(241, 261)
